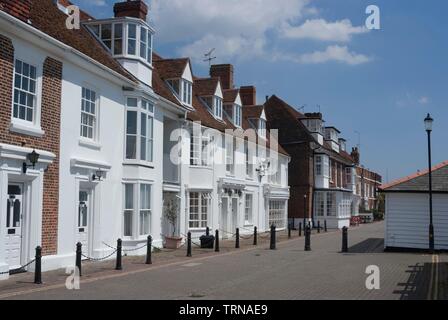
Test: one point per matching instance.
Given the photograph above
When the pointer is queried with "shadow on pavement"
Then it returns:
(371, 245)
(417, 285)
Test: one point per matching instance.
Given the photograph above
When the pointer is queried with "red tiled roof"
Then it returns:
(171, 68)
(46, 17)
(413, 176)
(83, 15)
(230, 95)
(205, 87)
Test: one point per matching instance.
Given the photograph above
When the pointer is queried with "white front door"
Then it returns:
(14, 218)
(84, 212)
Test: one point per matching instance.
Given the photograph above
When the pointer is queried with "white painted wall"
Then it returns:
(407, 220)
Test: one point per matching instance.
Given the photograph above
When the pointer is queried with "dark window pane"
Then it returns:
(132, 122)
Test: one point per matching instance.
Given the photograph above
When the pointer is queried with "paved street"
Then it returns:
(286, 273)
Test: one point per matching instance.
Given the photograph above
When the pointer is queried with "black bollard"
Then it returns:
(325, 226)
(272, 246)
(38, 266)
(345, 239)
(289, 231)
(118, 262)
(189, 244)
(300, 229)
(237, 240)
(207, 231)
(217, 241)
(149, 250)
(318, 226)
(255, 236)
(78, 257)
(308, 238)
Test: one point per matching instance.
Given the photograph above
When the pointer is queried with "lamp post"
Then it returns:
(428, 126)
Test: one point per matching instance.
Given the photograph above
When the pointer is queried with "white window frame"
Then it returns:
(237, 115)
(149, 114)
(319, 165)
(277, 213)
(262, 132)
(249, 159)
(218, 107)
(137, 209)
(201, 149)
(202, 197)
(248, 209)
(32, 128)
(95, 116)
(230, 156)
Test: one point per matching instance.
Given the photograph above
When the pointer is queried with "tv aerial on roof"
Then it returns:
(209, 57)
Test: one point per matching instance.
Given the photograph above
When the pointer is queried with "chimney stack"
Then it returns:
(355, 155)
(225, 73)
(248, 95)
(19, 9)
(131, 8)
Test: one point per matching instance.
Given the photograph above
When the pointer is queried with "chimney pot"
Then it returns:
(131, 8)
(248, 95)
(225, 73)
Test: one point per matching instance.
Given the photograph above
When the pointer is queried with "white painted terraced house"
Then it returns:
(107, 117)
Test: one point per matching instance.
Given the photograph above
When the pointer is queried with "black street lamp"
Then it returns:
(428, 126)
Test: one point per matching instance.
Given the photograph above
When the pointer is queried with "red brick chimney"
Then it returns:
(225, 73)
(17, 8)
(130, 8)
(355, 155)
(248, 95)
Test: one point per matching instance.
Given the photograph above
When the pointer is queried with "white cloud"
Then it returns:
(334, 53)
(243, 29)
(319, 29)
(423, 100)
(204, 24)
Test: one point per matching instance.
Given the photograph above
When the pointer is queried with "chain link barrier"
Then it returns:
(17, 270)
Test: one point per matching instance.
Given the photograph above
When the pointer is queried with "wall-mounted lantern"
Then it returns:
(98, 175)
(33, 158)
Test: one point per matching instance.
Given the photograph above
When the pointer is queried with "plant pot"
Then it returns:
(173, 242)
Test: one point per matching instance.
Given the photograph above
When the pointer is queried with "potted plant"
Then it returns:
(172, 241)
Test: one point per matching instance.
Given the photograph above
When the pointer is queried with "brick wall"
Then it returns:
(17, 8)
(50, 122)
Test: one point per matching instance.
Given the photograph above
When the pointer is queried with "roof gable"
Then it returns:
(188, 74)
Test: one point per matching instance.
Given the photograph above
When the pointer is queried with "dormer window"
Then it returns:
(218, 107)
(237, 115)
(125, 38)
(262, 128)
(183, 90)
(313, 125)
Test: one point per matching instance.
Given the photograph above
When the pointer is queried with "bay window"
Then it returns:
(331, 204)
(199, 210)
(277, 213)
(318, 165)
(137, 209)
(126, 38)
(132, 39)
(320, 204)
(139, 130)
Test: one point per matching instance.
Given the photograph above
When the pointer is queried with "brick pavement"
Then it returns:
(259, 273)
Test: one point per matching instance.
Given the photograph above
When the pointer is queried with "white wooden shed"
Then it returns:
(407, 210)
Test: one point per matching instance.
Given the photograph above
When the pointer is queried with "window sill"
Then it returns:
(28, 129)
(89, 144)
(201, 167)
(138, 163)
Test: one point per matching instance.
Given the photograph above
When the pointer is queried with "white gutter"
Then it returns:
(67, 52)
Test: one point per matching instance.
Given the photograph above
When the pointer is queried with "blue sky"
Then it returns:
(318, 54)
